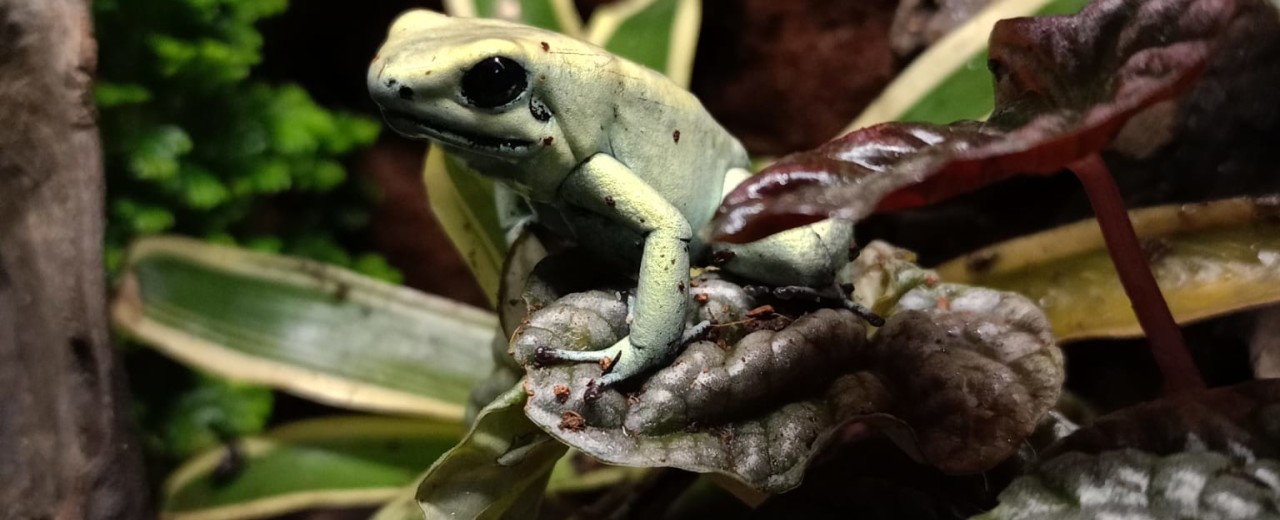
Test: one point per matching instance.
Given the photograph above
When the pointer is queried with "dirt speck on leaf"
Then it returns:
(572, 421)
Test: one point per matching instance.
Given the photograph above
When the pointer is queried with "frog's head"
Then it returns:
(469, 84)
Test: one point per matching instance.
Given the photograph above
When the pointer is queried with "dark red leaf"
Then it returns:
(1065, 87)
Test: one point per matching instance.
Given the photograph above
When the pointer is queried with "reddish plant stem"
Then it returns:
(1168, 348)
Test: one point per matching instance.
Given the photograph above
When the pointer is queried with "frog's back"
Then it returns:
(655, 127)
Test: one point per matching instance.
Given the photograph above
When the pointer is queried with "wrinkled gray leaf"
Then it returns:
(499, 470)
(973, 370)
(1131, 484)
(1242, 421)
(692, 415)
(1210, 454)
(958, 385)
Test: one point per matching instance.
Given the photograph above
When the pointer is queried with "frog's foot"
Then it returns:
(619, 362)
(632, 360)
(833, 297)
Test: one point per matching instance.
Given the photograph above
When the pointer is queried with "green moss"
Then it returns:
(196, 144)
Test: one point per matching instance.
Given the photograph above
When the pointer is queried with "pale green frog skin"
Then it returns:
(608, 153)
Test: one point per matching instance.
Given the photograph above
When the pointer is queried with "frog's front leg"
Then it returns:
(606, 187)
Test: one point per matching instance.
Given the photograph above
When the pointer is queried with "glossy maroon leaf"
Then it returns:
(1065, 87)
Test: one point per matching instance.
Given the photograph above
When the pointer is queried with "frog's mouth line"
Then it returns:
(456, 137)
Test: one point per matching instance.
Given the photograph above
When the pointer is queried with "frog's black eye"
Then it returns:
(494, 82)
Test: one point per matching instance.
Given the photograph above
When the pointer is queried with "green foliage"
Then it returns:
(196, 145)
(183, 412)
(214, 410)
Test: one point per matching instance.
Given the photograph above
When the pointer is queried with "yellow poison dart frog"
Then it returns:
(607, 153)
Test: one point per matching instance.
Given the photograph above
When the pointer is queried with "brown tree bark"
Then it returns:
(66, 449)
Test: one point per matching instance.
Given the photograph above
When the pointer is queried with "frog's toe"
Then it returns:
(596, 386)
(551, 356)
(593, 390)
(608, 380)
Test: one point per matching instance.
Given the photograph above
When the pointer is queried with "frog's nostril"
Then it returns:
(405, 92)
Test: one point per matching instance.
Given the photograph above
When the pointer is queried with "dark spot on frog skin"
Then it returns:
(391, 83)
(406, 92)
(608, 200)
(680, 287)
(539, 110)
(675, 136)
(546, 47)
(548, 140)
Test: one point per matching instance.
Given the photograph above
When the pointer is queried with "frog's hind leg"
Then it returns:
(805, 256)
(798, 263)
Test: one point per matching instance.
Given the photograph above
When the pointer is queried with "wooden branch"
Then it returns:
(66, 451)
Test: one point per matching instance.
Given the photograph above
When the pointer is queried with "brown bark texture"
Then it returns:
(66, 449)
